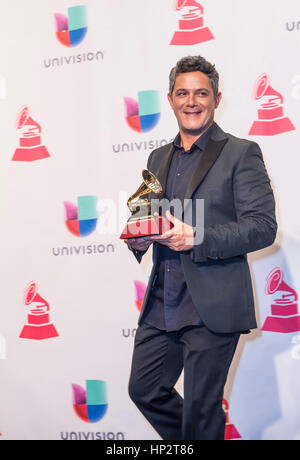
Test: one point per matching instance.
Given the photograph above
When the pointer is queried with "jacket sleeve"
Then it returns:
(255, 227)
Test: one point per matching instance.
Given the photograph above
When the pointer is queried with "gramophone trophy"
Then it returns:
(39, 326)
(284, 309)
(191, 25)
(145, 219)
(31, 147)
(271, 119)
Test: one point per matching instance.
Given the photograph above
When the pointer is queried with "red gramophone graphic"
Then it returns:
(191, 25)
(230, 430)
(31, 148)
(271, 120)
(284, 309)
(38, 327)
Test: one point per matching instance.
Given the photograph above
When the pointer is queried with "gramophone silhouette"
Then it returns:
(271, 120)
(230, 430)
(38, 327)
(191, 25)
(284, 310)
(31, 148)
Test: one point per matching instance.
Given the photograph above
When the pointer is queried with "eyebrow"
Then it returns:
(187, 89)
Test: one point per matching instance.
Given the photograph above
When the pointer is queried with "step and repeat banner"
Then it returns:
(83, 102)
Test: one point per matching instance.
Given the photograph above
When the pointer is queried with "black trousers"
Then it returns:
(158, 360)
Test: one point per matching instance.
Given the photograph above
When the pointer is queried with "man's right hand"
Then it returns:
(139, 244)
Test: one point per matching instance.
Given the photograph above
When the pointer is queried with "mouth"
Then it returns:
(192, 114)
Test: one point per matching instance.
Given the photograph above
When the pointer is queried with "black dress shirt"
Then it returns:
(170, 306)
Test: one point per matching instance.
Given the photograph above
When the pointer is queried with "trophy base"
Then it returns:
(46, 331)
(192, 37)
(271, 127)
(283, 325)
(32, 154)
(146, 227)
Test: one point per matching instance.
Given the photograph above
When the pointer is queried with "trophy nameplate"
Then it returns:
(145, 219)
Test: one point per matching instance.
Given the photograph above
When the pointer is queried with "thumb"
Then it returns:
(172, 218)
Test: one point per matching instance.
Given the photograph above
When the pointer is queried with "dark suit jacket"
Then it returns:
(239, 218)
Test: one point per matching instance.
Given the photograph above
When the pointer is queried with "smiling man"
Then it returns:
(199, 298)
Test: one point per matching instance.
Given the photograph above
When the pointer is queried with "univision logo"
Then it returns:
(70, 32)
(142, 115)
(71, 29)
(90, 405)
(81, 220)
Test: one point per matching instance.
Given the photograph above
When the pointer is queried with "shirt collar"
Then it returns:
(200, 143)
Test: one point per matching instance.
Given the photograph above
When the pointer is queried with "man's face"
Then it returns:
(193, 102)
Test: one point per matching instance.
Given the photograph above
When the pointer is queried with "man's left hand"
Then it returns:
(178, 238)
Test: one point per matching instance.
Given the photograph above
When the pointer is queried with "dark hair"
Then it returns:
(193, 64)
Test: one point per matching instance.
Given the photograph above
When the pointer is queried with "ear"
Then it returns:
(170, 100)
(218, 99)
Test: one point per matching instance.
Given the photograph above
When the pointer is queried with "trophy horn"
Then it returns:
(31, 295)
(23, 118)
(262, 88)
(275, 283)
(150, 184)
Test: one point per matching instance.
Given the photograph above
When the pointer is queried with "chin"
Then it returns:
(194, 130)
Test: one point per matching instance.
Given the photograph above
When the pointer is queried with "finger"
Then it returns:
(165, 236)
(172, 218)
(164, 242)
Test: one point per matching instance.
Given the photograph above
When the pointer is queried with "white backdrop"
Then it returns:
(75, 98)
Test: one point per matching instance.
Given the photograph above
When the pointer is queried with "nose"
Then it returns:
(191, 100)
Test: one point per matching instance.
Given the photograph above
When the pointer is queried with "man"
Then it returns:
(199, 298)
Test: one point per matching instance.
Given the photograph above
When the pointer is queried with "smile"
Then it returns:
(192, 113)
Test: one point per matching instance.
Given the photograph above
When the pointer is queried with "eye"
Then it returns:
(202, 93)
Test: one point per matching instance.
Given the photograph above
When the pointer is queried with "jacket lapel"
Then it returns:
(208, 158)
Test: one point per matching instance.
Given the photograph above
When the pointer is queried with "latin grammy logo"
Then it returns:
(230, 430)
(271, 120)
(31, 148)
(38, 327)
(284, 309)
(191, 24)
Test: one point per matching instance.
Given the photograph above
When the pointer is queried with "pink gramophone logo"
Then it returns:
(140, 291)
(39, 326)
(31, 148)
(230, 430)
(191, 24)
(284, 309)
(271, 119)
